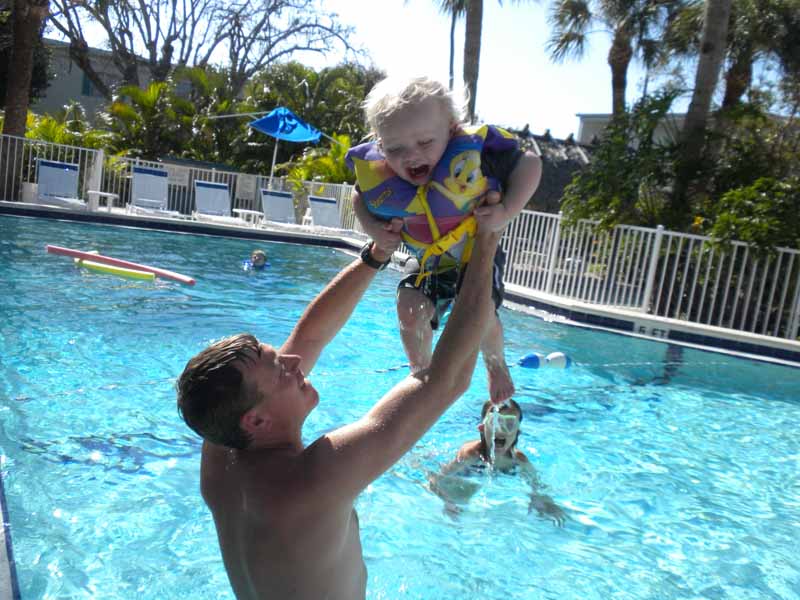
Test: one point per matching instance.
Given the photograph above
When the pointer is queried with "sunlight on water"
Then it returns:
(678, 469)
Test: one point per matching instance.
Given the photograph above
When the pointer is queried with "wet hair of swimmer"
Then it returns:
(485, 409)
(258, 258)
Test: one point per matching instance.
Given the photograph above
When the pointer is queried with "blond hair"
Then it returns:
(392, 94)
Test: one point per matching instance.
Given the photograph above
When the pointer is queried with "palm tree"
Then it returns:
(632, 24)
(455, 9)
(27, 17)
(712, 51)
(756, 31)
(472, 53)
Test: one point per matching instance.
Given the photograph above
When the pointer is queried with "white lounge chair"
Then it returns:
(57, 184)
(213, 203)
(277, 206)
(322, 212)
(150, 192)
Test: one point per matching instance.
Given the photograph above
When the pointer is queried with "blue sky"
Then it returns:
(518, 82)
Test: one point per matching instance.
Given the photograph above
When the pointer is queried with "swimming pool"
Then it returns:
(681, 489)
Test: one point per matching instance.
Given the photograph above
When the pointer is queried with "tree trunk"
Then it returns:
(712, 50)
(27, 19)
(738, 77)
(453, 19)
(619, 57)
(472, 53)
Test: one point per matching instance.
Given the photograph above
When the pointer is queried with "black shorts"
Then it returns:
(442, 288)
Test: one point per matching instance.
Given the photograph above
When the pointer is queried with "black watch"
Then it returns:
(367, 257)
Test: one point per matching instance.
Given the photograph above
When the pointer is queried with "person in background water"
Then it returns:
(256, 262)
(258, 259)
(283, 510)
(502, 430)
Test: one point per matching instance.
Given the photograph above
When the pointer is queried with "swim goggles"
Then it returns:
(500, 423)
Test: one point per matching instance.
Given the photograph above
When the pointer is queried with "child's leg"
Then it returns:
(415, 311)
(501, 386)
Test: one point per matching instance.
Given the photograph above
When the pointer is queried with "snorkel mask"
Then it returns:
(497, 423)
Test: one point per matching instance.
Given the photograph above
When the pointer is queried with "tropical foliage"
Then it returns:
(324, 164)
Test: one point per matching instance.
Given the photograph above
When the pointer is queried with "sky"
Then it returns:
(518, 83)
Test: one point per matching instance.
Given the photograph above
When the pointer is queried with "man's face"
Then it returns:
(414, 139)
(281, 383)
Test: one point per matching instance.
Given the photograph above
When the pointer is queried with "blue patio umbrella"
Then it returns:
(283, 124)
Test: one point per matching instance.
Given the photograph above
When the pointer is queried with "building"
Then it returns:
(68, 83)
(591, 127)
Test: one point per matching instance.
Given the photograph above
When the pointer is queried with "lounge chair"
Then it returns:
(322, 212)
(150, 192)
(57, 184)
(213, 203)
(277, 206)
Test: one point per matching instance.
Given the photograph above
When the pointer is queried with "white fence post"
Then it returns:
(651, 269)
(551, 262)
(94, 182)
(794, 319)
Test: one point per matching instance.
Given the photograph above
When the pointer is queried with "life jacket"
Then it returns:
(438, 224)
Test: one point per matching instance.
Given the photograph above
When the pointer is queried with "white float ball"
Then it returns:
(557, 360)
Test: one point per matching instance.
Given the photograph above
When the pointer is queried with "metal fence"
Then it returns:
(113, 175)
(19, 158)
(653, 271)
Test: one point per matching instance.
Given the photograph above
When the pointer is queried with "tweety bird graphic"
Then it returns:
(466, 181)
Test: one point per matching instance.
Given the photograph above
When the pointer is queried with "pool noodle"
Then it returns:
(99, 258)
(112, 270)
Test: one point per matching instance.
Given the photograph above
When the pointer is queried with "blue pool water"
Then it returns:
(681, 489)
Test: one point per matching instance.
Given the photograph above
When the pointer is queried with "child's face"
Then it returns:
(503, 431)
(258, 259)
(414, 139)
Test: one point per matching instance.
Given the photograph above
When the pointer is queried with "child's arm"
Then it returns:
(386, 234)
(448, 487)
(522, 183)
(542, 503)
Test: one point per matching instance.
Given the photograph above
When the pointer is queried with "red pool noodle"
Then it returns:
(99, 258)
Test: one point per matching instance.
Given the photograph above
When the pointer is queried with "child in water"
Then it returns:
(498, 443)
(256, 262)
(425, 176)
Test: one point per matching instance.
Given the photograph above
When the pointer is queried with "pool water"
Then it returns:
(680, 471)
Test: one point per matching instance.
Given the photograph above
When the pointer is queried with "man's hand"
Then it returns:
(386, 235)
(492, 215)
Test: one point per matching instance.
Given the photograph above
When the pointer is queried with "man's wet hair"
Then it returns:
(212, 395)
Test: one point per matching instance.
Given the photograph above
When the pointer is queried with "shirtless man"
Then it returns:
(284, 512)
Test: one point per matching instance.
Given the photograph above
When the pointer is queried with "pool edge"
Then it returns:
(9, 586)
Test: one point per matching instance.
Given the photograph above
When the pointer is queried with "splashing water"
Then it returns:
(490, 434)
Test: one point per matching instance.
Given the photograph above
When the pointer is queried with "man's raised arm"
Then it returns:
(345, 461)
(330, 310)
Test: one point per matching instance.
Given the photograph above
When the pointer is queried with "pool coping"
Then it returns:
(742, 344)
(9, 586)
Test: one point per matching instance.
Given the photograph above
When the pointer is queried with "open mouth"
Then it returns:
(499, 440)
(419, 172)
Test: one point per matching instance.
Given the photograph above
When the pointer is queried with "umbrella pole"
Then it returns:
(272, 170)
